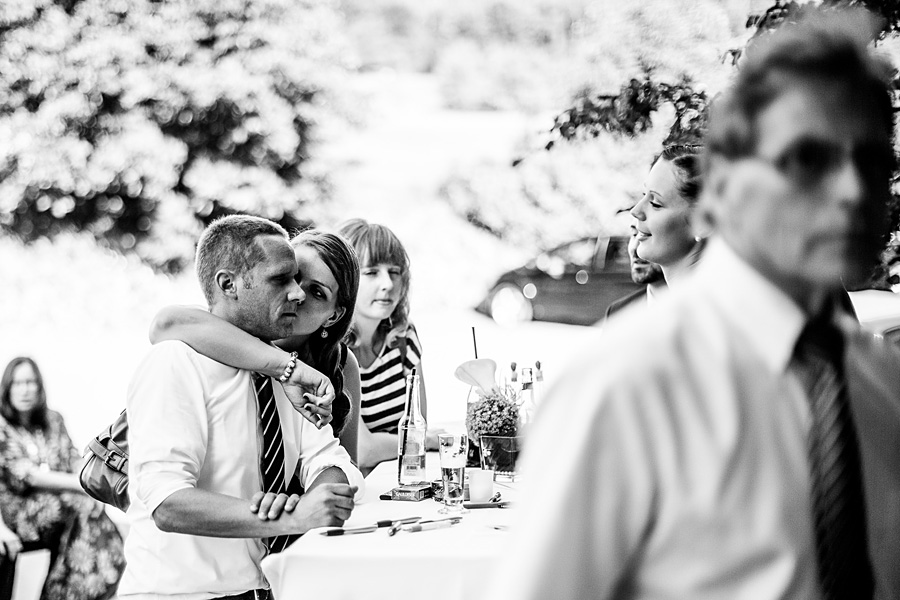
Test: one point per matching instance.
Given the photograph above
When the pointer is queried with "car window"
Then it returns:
(569, 257)
(893, 336)
(578, 253)
(617, 256)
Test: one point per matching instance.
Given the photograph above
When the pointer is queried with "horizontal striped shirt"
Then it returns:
(384, 384)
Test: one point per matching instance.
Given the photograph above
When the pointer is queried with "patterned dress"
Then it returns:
(384, 383)
(86, 558)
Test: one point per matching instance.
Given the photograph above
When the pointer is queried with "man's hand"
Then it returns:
(10, 544)
(311, 393)
(325, 505)
(270, 505)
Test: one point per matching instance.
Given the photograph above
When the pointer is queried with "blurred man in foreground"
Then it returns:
(755, 452)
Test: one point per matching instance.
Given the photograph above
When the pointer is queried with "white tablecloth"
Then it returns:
(441, 564)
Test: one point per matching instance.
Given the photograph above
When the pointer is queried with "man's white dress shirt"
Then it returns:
(669, 460)
(193, 423)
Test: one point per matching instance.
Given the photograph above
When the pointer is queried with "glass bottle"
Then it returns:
(538, 383)
(526, 399)
(473, 457)
(509, 380)
(411, 436)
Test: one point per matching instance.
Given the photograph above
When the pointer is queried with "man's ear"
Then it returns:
(717, 175)
(334, 318)
(713, 197)
(226, 281)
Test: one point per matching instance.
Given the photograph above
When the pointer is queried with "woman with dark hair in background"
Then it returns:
(664, 214)
(328, 274)
(383, 339)
(41, 501)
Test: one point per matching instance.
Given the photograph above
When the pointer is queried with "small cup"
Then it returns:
(481, 484)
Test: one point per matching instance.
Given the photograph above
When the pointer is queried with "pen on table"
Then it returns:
(341, 531)
(392, 522)
(397, 525)
(428, 525)
(502, 504)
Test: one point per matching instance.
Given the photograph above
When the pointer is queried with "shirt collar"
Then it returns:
(769, 319)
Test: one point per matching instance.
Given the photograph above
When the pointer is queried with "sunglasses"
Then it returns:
(808, 161)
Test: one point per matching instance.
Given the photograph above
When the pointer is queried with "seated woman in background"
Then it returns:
(41, 500)
(328, 275)
(664, 214)
(383, 339)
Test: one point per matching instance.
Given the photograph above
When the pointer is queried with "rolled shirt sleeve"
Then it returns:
(167, 424)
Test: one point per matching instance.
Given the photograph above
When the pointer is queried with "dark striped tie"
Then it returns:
(836, 478)
(271, 459)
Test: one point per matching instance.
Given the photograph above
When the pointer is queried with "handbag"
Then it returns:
(104, 475)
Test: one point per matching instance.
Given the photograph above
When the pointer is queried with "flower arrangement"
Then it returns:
(493, 414)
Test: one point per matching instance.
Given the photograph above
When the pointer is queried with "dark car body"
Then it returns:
(572, 283)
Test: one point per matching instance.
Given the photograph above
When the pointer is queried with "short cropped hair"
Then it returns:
(825, 44)
(230, 243)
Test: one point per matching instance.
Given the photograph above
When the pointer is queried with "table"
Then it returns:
(442, 564)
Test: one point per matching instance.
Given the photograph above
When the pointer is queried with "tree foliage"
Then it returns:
(140, 120)
(630, 112)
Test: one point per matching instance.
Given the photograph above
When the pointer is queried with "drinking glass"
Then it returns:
(500, 454)
(453, 448)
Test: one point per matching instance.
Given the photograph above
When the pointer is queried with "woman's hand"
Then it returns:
(10, 544)
(311, 393)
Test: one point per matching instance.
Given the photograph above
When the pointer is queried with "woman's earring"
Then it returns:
(324, 333)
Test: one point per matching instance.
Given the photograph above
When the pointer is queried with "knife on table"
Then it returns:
(370, 528)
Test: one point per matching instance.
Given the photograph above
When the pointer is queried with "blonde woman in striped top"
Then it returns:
(383, 340)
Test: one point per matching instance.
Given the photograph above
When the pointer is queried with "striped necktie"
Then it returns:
(836, 477)
(271, 459)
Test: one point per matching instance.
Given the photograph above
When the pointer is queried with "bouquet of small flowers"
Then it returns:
(494, 413)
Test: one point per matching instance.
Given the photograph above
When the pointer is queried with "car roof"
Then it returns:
(877, 310)
(592, 238)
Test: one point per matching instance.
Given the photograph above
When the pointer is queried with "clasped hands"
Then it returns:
(325, 505)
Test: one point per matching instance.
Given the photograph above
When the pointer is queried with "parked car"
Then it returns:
(572, 283)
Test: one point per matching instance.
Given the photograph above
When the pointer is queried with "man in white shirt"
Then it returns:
(195, 438)
(675, 458)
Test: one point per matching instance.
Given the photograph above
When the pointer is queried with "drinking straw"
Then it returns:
(474, 343)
